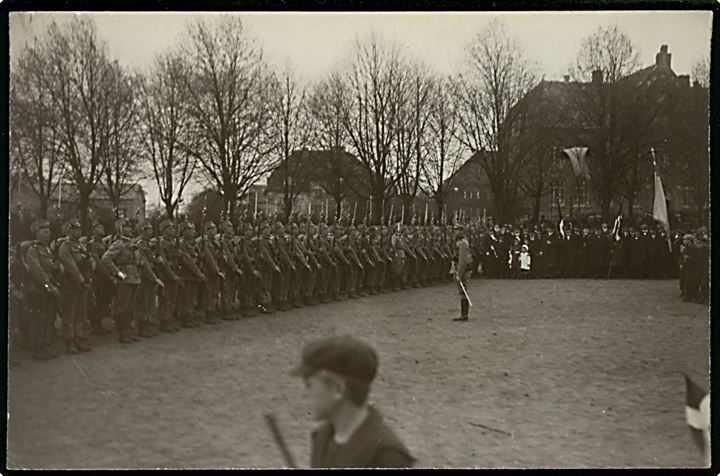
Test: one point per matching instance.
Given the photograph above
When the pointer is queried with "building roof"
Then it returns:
(307, 167)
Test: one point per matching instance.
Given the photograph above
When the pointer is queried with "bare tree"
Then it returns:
(617, 114)
(34, 138)
(701, 72)
(411, 133)
(291, 131)
(123, 167)
(168, 132)
(495, 78)
(82, 89)
(444, 151)
(326, 106)
(230, 106)
(375, 82)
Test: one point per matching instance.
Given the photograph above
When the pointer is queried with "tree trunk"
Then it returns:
(44, 205)
(377, 208)
(536, 208)
(169, 209)
(84, 209)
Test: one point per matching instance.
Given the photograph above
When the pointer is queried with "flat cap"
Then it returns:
(343, 355)
(39, 224)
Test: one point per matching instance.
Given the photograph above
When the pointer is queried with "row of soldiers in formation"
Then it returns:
(160, 280)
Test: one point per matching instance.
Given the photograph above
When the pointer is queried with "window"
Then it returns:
(558, 193)
(582, 196)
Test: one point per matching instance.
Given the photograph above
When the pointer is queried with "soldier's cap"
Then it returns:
(96, 222)
(184, 226)
(39, 224)
(146, 226)
(343, 355)
(209, 225)
(165, 224)
(226, 222)
(72, 223)
(120, 221)
(688, 236)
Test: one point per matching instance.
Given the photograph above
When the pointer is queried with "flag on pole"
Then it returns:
(577, 160)
(616, 227)
(659, 205)
(697, 415)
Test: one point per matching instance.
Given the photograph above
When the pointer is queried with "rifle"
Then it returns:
(279, 440)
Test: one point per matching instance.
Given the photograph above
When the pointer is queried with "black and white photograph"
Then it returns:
(372, 239)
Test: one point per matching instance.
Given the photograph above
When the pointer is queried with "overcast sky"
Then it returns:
(315, 42)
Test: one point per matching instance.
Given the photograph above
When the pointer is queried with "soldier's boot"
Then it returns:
(70, 346)
(82, 345)
(464, 308)
(227, 315)
(155, 328)
(133, 332)
(124, 336)
(98, 329)
(187, 322)
(144, 329)
(166, 326)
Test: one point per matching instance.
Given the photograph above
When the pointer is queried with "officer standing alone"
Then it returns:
(463, 271)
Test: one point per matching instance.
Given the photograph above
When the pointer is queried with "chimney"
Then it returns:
(684, 80)
(597, 76)
(662, 59)
(566, 78)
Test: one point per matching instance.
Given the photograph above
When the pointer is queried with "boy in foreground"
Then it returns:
(338, 373)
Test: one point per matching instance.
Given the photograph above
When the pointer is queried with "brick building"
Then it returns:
(660, 110)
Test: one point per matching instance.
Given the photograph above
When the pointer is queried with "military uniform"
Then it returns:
(41, 293)
(167, 258)
(74, 286)
(192, 277)
(208, 257)
(103, 287)
(232, 272)
(148, 288)
(268, 269)
(122, 262)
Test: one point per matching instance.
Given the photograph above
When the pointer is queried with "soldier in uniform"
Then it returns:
(75, 285)
(103, 287)
(251, 293)
(41, 291)
(268, 267)
(121, 261)
(328, 275)
(231, 270)
(358, 270)
(167, 259)
(281, 284)
(398, 259)
(344, 275)
(209, 257)
(191, 275)
(149, 283)
(303, 274)
(463, 271)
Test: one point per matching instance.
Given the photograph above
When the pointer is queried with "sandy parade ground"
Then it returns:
(547, 373)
